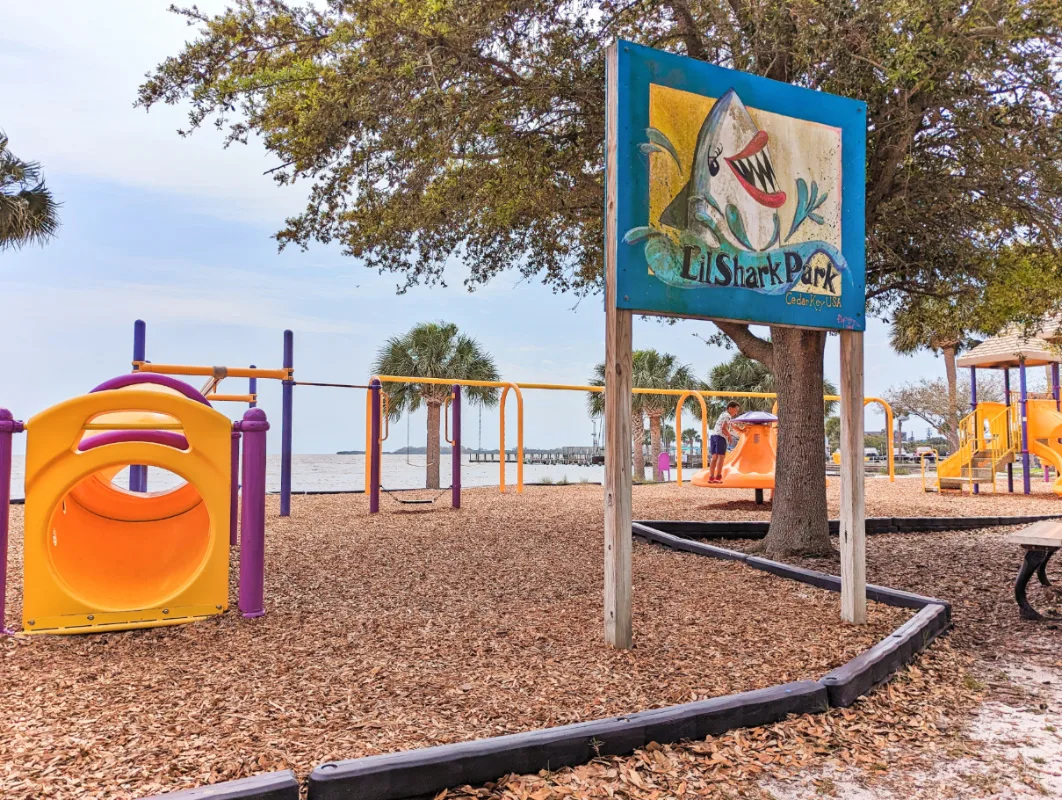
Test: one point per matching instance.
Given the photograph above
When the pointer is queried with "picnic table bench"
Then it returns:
(1041, 540)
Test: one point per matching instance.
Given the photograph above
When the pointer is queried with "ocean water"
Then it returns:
(347, 473)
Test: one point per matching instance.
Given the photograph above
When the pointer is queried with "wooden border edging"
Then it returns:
(870, 668)
(424, 772)
(757, 529)
(850, 681)
(268, 786)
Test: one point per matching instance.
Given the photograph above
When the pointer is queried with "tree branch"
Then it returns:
(749, 343)
(687, 30)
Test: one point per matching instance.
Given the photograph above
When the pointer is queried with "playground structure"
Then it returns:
(754, 469)
(750, 464)
(99, 557)
(215, 375)
(996, 434)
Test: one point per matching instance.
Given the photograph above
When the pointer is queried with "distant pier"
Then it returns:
(574, 456)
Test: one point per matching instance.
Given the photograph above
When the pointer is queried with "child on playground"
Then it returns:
(717, 444)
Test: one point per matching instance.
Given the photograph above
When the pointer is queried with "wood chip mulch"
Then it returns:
(412, 629)
(913, 720)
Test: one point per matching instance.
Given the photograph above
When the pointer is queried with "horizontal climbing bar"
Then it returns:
(217, 372)
(232, 398)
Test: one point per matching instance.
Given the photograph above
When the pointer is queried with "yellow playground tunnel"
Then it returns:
(101, 557)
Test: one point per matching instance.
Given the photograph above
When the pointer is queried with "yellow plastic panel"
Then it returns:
(98, 557)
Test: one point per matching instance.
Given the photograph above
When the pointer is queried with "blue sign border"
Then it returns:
(638, 290)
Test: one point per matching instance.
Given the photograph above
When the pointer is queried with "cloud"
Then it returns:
(75, 85)
(80, 308)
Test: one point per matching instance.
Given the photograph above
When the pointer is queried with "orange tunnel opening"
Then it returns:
(119, 550)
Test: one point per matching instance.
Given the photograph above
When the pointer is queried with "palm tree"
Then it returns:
(649, 370)
(690, 437)
(743, 374)
(434, 350)
(28, 212)
(595, 402)
(654, 370)
(936, 325)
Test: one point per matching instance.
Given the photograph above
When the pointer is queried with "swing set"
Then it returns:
(377, 413)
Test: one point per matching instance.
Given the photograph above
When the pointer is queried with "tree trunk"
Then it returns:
(654, 445)
(953, 397)
(638, 441)
(433, 456)
(799, 519)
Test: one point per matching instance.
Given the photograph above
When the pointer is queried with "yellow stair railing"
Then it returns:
(996, 443)
(936, 461)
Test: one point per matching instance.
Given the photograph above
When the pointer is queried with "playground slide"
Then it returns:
(1045, 430)
(957, 464)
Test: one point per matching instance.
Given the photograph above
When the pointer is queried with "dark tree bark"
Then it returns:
(433, 456)
(949, 351)
(799, 522)
(799, 517)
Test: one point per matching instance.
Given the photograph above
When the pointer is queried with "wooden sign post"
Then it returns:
(617, 437)
(853, 519)
(729, 197)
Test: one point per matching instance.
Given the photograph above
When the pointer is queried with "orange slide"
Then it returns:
(1045, 431)
(750, 465)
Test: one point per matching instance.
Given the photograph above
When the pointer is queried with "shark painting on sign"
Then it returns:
(743, 199)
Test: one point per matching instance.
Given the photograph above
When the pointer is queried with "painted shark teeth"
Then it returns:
(758, 170)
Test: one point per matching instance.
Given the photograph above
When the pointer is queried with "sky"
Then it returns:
(176, 231)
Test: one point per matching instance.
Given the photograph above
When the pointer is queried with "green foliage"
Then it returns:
(28, 212)
(474, 128)
(833, 433)
(650, 370)
(743, 374)
(877, 441)
(434, 350)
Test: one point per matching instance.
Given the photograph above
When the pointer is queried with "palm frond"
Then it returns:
(29, 214)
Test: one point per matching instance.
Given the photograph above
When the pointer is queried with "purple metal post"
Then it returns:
(287, 395)
(138, 472)
(8, 426)
(976, 423)
(455, 458)
(1024, 428)
(234, 487)
(374, 443)
(252, 389)
(252, 540)
(1058, 407)
(1010, 444)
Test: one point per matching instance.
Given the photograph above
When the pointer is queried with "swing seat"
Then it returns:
(393, 494)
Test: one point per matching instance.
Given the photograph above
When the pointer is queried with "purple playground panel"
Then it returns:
(136, 378)
(168, 438)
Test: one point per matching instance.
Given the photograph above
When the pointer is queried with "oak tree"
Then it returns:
(475, 129)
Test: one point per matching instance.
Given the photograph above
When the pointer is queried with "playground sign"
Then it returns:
(737, 197)
(729, 197)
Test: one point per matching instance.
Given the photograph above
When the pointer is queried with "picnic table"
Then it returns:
(1041, 540)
